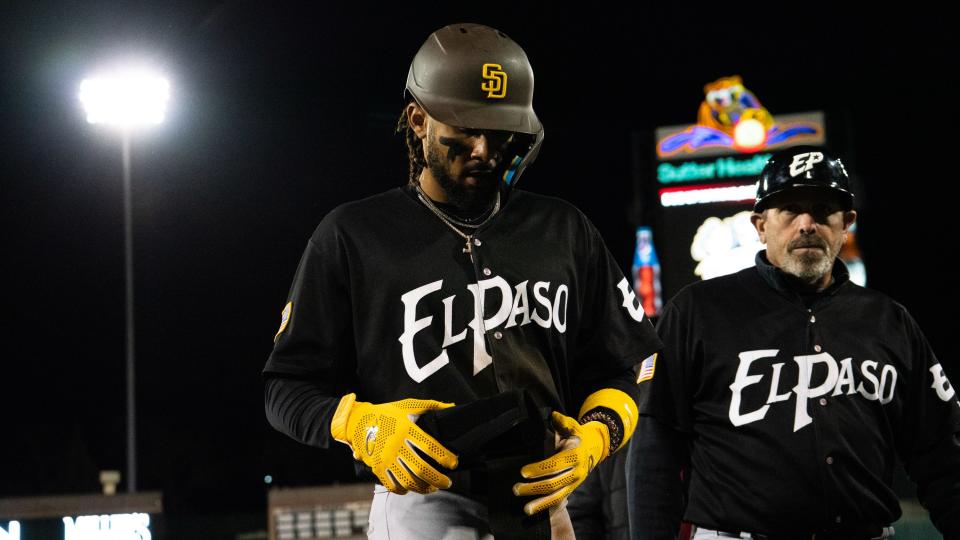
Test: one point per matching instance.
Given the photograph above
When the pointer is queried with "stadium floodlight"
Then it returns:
(127, 98)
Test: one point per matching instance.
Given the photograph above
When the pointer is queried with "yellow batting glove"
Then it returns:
(384, 437)
(582, 448)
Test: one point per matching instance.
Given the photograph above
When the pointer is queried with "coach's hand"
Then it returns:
(581, 449)
(384, 437)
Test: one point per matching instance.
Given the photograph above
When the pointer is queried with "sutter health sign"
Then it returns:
(726, 167)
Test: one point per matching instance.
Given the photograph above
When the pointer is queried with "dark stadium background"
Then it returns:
(282, 111)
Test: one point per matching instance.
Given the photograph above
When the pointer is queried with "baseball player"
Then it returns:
(464, 301)
(787, 392)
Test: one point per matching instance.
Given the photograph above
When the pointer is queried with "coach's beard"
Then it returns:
(812, 264)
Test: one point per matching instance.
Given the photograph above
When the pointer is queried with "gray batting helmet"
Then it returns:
(474, 76)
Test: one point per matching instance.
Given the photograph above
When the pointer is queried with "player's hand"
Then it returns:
(581, 449)
(384, 437)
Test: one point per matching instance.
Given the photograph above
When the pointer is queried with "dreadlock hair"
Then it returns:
(414, 147)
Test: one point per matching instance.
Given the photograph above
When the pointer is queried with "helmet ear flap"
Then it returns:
(523, 152)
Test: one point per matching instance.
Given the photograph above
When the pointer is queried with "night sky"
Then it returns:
(278, 114)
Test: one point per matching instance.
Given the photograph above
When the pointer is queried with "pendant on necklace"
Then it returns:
(468, 250)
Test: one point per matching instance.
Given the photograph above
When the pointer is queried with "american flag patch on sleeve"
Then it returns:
(647, 368)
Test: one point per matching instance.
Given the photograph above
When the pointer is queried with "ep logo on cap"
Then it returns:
(804, 162)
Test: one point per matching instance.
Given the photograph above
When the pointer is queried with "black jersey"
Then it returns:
(387, 304)
(797, 407)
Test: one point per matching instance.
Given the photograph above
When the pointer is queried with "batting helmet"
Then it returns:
(806, 167)
(473, 76)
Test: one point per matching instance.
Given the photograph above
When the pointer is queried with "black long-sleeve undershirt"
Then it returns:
(299, 408)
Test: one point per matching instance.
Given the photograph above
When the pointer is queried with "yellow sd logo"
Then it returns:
(496, 81)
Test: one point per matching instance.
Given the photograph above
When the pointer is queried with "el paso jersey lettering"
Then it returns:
(386, 303)
(818, 375)
(515, 309)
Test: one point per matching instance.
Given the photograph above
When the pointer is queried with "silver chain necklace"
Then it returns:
(449, 221)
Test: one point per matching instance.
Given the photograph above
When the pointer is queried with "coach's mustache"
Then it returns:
(808, 242)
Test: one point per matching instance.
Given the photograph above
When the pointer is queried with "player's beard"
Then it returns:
(811, 265)
(471, 200)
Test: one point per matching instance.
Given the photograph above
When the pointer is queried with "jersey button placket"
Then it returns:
(487, 272)
(481, 269)
(479, 266)
(824, 426)
(812, 332)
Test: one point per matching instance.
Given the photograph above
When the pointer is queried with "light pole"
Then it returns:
(126, 99)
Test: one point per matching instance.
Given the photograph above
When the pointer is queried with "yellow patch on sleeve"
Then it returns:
(284, 319)
(647, 368)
